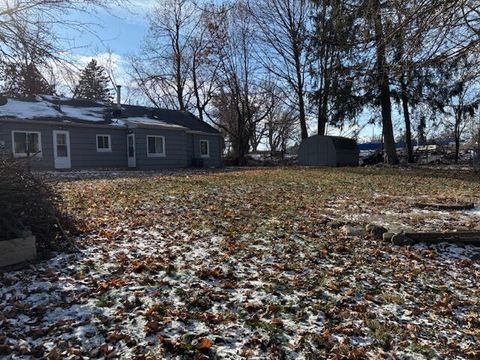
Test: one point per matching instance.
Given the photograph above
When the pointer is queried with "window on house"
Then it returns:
(204, 148)
(155, 146)
(104, 143)
(26, 143)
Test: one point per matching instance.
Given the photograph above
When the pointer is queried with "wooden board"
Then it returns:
(464, 237)
(447, 207)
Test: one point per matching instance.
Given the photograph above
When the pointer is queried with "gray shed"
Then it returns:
(320, 150)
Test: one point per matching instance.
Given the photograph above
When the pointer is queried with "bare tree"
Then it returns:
(204, 65)
(243, 100)
(31, 35)
(458, 95)
(176, 69)
(284, 26)
(281, 126)
(162, 71)
(37, 24)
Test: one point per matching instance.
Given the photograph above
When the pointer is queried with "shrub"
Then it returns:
(27, 203)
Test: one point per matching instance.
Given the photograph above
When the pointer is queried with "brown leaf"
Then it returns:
(204, 344)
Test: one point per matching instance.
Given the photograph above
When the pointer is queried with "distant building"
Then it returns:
(332, 151)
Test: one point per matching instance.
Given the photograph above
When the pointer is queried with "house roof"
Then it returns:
(65, 110)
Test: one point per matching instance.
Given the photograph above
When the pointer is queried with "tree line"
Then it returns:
(278, 71)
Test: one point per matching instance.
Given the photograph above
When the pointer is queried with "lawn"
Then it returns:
(252, 264)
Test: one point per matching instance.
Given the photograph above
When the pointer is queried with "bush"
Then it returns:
(27, 203)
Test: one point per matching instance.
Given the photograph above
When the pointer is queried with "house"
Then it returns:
(62, 133)
(320, 150)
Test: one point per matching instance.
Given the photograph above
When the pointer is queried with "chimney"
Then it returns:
(119, 95)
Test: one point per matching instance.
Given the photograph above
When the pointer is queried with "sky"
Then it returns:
(115, 33)
(120, 29)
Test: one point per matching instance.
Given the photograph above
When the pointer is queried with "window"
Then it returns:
(26, 143)
(204, 149)
(104, 143)
(155, 146)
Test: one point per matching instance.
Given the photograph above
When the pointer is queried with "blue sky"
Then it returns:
(119, 29)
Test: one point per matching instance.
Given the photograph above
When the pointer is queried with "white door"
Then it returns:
(61, 149)
(132, 157)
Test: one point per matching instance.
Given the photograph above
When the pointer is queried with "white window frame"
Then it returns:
(161, 154)
(207, 155)
(18, 155)
(109, 149)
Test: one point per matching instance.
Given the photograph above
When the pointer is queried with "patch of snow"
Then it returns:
(144, 120)
(28, 109)
(93, 114)
(473, 212)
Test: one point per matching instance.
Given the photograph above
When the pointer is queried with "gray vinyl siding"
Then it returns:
(46, 138)
(83, 146)
(180, 147)
(175, 149)
(3, 140)
(215, 145)
(189, 149)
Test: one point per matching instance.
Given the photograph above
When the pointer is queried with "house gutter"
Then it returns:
(195, 132)
(62, 123)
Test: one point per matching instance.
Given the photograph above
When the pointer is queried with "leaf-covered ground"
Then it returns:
(251, 264)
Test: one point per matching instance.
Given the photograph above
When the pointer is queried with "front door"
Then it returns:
(132, 158)
(61, 149)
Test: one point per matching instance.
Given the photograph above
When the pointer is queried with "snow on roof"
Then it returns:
(53, 97)
(143, 120)
(83, 113)
(61, 109)
(28, 109)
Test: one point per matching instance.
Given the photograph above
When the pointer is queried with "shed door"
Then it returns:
(131, 152)
(61, 149)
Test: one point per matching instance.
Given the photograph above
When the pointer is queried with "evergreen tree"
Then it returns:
(93, 84)
(24, 81)
(333, 91)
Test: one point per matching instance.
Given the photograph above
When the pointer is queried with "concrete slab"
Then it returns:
(17, 250)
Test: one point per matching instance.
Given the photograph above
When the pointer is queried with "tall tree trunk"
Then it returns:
(384, 87)
(458, 119)
(322, 121)
(408, 125)
(241, 151)
(322, 109)
(300, 95)
(270, 139)
(324, 79)
(195, 87)
(178, 68)
(303, 121)
(421, 131)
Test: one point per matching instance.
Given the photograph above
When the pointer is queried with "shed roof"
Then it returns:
(339, 142)
(61, 109)
(343, 143)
